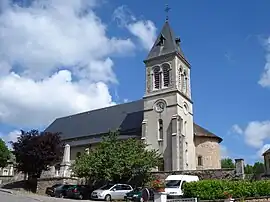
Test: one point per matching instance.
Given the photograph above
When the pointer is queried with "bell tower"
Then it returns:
(168, 113)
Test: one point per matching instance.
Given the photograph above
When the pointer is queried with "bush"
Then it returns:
(216, 189)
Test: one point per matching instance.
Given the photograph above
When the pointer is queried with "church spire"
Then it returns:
(166, 42)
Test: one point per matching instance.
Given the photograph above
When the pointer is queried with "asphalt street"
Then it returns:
(16, 197)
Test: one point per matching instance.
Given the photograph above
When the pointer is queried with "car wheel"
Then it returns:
(81, 197)
(108, 197)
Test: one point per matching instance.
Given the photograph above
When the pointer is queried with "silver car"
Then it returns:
(111, 192)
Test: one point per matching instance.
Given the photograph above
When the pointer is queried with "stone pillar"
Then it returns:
(175, 144)
(239, 168)
(65, 165)
(181, 144)
(11, 169)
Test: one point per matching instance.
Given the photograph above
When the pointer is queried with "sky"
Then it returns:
(60, 57)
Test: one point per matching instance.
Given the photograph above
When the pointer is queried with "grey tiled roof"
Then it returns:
(127, 117)
(170, 44)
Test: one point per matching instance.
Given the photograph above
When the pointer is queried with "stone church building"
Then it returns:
(163, 118)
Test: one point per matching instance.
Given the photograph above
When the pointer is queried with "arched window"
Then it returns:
(157, 78)
(78, 154)
(183, 79)
(180, 72)
(166, 75)
(200, 161)
(161, 165)
(160, 129)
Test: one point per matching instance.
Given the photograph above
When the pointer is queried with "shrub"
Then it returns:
(219, 189)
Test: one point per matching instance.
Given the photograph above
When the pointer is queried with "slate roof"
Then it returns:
(266, 152)
(127, 117)
(170, 44)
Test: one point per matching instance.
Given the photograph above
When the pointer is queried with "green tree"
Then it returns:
(117, 160)
(35, 151)
(258, 168)
(249, 169)
(227, 163)
(4, 154)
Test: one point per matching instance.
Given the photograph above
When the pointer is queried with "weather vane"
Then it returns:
(167, 9)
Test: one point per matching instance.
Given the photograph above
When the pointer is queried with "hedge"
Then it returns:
(216, 189)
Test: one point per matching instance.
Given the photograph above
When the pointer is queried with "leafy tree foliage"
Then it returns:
(35, 151)
(117, 160)
(257, 168)
(4, 154)
(227, 163)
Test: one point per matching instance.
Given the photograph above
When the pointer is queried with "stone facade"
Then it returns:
(43, 183)
(207, 153)
(202, 174)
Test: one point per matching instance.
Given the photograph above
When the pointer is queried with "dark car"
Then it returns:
(60, 191)
(79, 192)
(51, 190)
(136, 195)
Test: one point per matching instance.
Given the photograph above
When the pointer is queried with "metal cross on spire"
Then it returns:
(167, 9)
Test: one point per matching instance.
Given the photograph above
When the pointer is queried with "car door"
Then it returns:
(125, 189)
(116, 191)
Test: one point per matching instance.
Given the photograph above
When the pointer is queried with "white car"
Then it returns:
(111, 192)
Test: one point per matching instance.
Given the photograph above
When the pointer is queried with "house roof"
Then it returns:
(165, 43)
(266, 152)
(126, 117)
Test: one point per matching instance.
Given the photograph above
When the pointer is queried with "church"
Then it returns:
(163, 118)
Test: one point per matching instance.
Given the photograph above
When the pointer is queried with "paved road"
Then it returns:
(17, 197)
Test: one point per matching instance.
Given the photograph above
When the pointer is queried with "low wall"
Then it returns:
(202, 174)
(251, 199)
(43, 183)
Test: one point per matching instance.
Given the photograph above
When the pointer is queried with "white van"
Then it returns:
(174, 184)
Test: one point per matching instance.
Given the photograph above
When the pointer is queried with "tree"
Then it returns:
(249, 169)
(4, 154)
(117, 160)
(227, 163)
(258, 168)
(36, 151)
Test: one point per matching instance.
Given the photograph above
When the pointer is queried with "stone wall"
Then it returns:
(202, 174)
(209, 150)
(43, 183)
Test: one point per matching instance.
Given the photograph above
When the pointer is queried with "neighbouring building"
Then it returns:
(163, 118)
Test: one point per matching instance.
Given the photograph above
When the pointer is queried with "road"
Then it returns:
(17, 197)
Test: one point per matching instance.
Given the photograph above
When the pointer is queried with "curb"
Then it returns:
(6, 191)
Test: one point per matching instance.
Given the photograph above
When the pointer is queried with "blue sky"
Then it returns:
(225, 42)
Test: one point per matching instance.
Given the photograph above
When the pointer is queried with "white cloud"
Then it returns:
(224, 152)
(10, 137)
(255, 133)
(262, 150)
(265, 77)
(55, 60)
(144, 30)
(236, 129)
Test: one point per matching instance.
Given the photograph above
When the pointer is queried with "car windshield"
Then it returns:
(106, 187)
(173, 183)
(56, 185)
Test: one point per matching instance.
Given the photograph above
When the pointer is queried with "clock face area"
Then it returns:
(159, 106)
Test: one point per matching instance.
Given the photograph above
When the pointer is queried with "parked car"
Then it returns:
(136, 195)
(60, 191)
(79, 192)
(175, 184)
(110, 192)
(51, 190)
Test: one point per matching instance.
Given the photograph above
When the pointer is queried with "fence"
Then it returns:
(183, 200)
